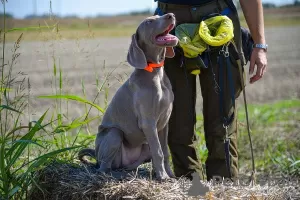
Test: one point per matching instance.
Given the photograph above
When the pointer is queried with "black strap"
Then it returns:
(227, 155)
(224, 62)
(223, 58)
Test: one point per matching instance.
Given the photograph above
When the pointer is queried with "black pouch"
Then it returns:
(192, 65)
(247, 43)
(247, 46)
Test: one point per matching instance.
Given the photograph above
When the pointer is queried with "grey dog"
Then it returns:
(134, 128)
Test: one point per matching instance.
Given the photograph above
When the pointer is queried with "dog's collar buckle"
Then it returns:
(150, 66)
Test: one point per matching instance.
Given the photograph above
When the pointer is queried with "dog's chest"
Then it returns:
(165, 103)
(166, 96)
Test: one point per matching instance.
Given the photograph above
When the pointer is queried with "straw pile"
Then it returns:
(72, 182)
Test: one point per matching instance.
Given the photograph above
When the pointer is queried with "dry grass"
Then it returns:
(116, 26)
(69, 34)
(74, 28)
(78, 23)
(274, 17)
(70, 182)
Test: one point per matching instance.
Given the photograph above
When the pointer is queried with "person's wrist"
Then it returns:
(259, 50)
(260, 46)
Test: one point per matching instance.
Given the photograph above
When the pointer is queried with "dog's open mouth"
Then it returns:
(166, 38)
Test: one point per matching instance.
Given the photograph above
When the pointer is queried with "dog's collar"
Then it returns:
(150, 66)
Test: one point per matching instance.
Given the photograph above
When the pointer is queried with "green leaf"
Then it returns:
(42, 159)
(17, 149)
(2, 166)
(9, 108)
(5, 89)
(36, 184)
(13, 191)
(73, 125)
(54, 68)
(82, 86)
(60, 79)
(295, 163)
(28, 142)
(75, 98)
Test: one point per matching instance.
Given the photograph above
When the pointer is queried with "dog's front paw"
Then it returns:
(162, 176)
(166, 179)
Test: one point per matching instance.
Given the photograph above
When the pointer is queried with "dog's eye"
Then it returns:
(149, 21)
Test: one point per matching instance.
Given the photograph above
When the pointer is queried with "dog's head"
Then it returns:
(152, 42)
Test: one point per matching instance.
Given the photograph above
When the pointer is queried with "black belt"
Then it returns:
(173, 6)
(182, 6)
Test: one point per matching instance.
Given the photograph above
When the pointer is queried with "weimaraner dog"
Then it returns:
(134, 128)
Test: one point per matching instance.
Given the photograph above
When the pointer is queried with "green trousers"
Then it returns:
(183, 117)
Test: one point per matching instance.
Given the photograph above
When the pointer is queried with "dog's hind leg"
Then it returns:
(144, 157)
(108, 149)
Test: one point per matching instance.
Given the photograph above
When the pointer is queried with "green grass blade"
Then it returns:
(18, 148)
(60, 79)
(295, 163)
(99, 90)
(54, 68)
(9, 108)
(74, 98)
(5, 89)
(2, 166)
(40, 161)
(29, 142)
(64, 128)
(44, 158)
(13, 191)
(83, 88)
(36, 184)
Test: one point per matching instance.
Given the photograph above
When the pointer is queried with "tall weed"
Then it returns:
(20, 142)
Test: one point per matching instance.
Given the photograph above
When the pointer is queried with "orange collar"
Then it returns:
(150, 66)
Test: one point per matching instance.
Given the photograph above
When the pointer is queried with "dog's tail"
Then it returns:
(86, 152)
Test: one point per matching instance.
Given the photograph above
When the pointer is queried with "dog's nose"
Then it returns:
(170, 16)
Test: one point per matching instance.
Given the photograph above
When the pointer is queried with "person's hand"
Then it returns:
(258, 59)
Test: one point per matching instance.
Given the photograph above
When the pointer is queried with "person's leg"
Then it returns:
(213, 124)
(183, 117)
(181, 130)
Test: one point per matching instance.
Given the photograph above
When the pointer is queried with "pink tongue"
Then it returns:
(166, 38)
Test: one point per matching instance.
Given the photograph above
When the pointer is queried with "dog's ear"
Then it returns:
(136, 56)
(170, 52)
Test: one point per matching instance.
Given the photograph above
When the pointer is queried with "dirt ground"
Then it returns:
(83, 60)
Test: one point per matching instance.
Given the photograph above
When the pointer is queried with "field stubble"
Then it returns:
(84, 60)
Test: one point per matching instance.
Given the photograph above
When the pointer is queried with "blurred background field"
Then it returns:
(72, 27)
(84, 59)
